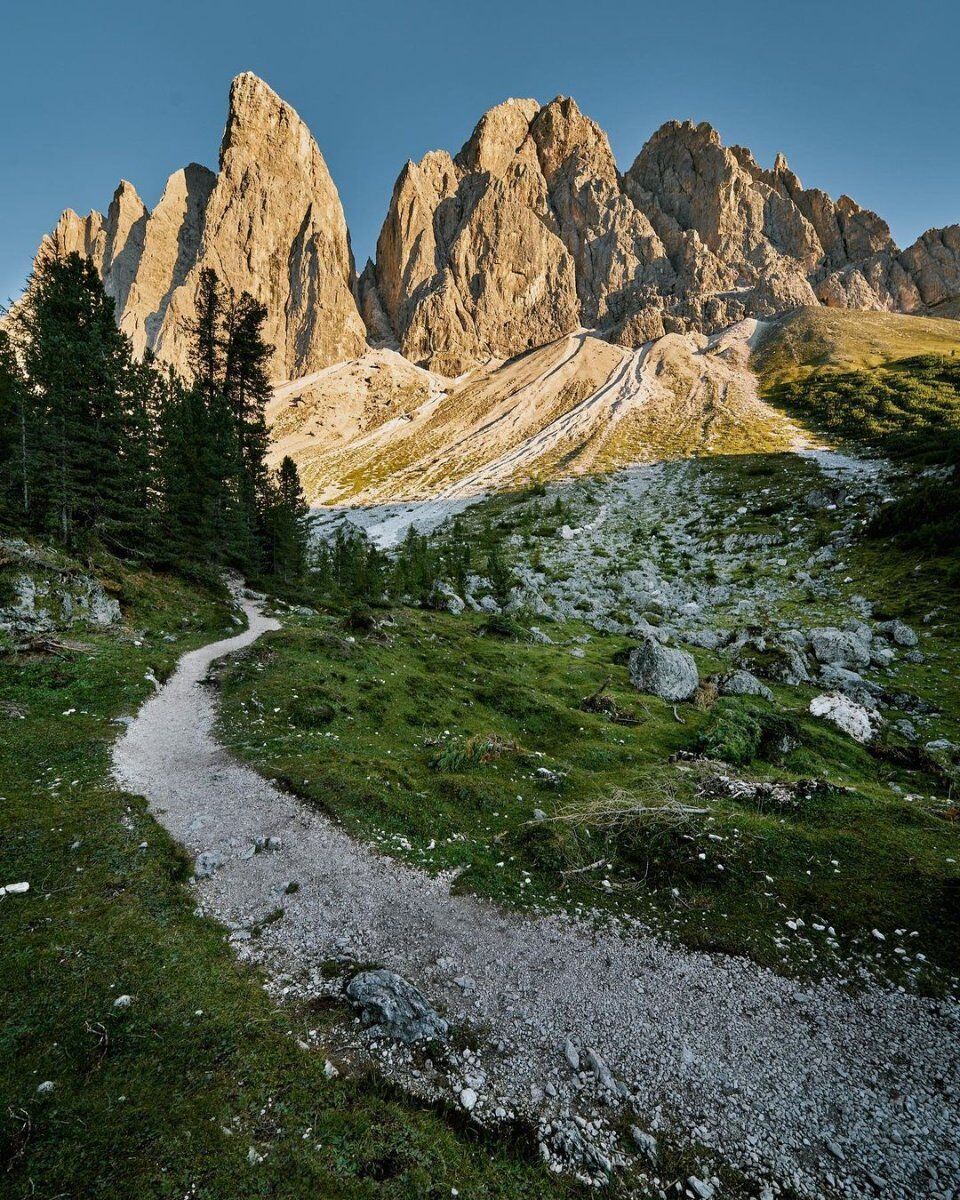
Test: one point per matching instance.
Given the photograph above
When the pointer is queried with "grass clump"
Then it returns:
(739, 732)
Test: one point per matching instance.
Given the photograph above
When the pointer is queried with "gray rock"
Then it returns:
(938, 744)
(392, 1007)
(646, 1143)
(207, 862)
(898, 632)
(840, 647)
(571, 1054)
(859, 722)
(743, 683)
(702, 1190)
(851, 684)
(647, 632)
(601, 1070)
(706, 639)
(668, 673)
(443, 596)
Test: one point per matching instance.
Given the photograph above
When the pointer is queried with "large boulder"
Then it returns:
(668, 673)
(851, 684)
(898, 632)
(392, 1007)
(841, 647)
(860, 723)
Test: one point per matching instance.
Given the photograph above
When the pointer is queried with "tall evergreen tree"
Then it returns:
(286, 534)
(216, 489)
(13, 429)
(84, 428)
(246, 388)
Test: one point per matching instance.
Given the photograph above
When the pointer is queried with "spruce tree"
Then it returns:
(286, 531)
(246, 389)
(84, 429)
(14, 495)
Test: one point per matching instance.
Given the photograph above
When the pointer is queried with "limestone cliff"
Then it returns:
(527, 234)
(269, 222)
(694, 236)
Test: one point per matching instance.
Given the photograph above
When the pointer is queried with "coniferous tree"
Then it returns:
(286, 533)
(13, 429)
(246, 389)
(217, 429)
(93, 441)
(84, 430)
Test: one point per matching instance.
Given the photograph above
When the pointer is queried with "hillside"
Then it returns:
(574, 406)
(809, 340)
(378, 429)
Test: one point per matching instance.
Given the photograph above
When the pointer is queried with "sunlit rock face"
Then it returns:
(527, 234)
(269, 222)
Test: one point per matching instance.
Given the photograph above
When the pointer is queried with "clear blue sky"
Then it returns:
(861, 97)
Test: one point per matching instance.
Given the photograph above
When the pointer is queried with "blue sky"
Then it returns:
(861, 97)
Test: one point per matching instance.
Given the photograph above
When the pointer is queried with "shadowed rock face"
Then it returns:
(170, 248)
(528, 233)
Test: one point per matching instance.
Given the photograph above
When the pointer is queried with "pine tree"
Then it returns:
(285, 521)
(84, 432)
(14, 495)
(246, 388)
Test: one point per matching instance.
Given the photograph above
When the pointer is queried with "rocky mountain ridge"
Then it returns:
(527, 234)
(270, 223)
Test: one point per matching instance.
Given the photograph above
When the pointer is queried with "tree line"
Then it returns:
(99, 446)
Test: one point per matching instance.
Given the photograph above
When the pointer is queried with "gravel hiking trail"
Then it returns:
(797, 1085)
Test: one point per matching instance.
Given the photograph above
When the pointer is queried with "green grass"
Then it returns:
(165, 1098)
(439, 741)
(907, 410)
(808, 340)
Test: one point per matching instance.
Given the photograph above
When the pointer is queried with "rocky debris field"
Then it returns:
(705, 1075)
(702, 555)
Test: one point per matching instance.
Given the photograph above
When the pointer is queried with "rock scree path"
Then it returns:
(796, 1085)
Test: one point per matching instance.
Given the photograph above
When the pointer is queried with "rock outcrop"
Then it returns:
(665, 671)
(269, 223)
(529, 233)
(694, 236)
(171, 246)
(274, 227)
(470, 263)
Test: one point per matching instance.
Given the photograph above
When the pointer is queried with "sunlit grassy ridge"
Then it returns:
(808, 340)
(883, 384)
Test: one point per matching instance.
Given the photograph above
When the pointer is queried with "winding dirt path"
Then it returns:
(808, 1086)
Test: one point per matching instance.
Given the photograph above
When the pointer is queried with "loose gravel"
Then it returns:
(577, 1031)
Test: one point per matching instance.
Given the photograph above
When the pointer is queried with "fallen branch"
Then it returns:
(580, 870)
(621, 807)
